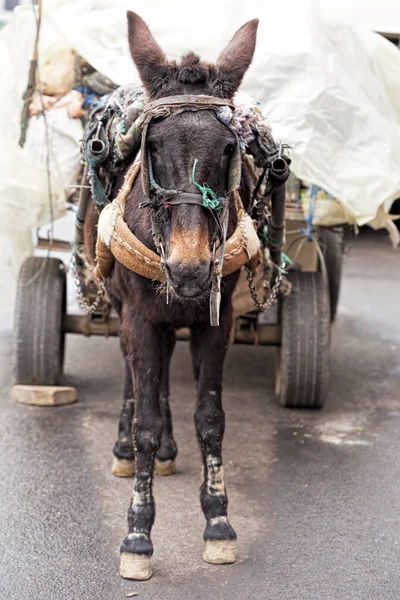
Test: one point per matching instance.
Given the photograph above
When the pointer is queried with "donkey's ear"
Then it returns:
(146, 53)
(236, 57)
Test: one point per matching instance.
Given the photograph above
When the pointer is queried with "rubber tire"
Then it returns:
(331, 241)
(302, 376)
(38, 337)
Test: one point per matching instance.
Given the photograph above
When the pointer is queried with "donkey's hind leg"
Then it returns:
(124, 458)
(166, 454)
(209, 346)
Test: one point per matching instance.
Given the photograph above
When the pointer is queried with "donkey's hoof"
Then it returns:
(164, 467)
(220, 552)
(123, 467)
(135, 566)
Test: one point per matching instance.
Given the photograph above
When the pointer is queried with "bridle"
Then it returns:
(160, 200)
(117, 242)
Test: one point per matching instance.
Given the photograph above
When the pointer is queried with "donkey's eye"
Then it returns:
(229, 149)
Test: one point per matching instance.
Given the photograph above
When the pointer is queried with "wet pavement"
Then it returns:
(314, 496)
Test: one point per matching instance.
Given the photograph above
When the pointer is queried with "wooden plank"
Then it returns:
(44, 395)
(57, 245)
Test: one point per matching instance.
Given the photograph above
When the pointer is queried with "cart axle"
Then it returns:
(261, 335)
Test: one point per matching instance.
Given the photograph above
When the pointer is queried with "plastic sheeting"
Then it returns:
(332, 92)
(24, 192)
(378, 15)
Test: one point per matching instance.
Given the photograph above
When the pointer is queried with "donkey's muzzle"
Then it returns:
(190, 280)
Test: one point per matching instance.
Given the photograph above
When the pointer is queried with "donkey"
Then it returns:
(148, 321)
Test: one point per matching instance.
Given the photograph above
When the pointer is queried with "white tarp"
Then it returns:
(330, 91)
(24, 192)
(378, 15)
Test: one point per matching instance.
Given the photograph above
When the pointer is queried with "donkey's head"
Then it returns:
(174, 143)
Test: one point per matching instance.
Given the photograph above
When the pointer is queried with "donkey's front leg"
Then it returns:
(209, 345)
(143, 342)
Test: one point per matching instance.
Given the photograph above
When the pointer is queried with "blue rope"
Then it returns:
(307, 230)
(91, 99)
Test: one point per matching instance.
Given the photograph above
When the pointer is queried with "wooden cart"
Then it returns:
(298, 325)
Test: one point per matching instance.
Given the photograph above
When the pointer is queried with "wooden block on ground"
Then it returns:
(43, 395)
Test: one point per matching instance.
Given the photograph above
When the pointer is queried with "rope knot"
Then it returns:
(210, 199)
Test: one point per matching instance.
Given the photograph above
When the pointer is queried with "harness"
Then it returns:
(159, 198)
(116, 241)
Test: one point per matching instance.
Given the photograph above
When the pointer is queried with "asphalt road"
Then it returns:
(314, 496)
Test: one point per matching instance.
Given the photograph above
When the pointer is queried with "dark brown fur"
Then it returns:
(147, 322)
(161, 78)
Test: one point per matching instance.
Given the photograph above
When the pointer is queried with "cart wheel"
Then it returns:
(331, 241)
(303, 359)
(38, 336)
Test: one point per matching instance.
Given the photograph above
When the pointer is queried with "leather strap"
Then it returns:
(187, 101)
(163, 107)
(116, 241)
(185, 198)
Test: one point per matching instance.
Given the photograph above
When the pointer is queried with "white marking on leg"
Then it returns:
(134, 535)
(215, 476)
(142, 495)
(217, 520)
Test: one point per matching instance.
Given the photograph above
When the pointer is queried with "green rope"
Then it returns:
(268, 240)
(210, 199)
(285, 260)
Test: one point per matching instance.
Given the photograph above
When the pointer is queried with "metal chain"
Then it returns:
(273, 295)
(83, 301)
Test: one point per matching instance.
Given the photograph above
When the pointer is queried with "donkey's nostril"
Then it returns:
(189, 280)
